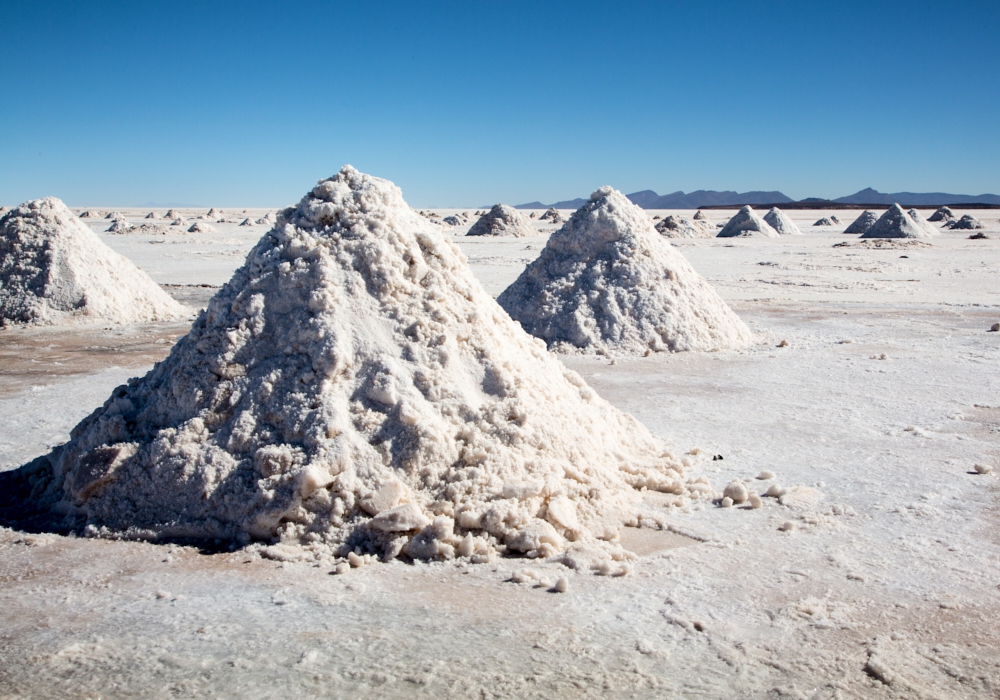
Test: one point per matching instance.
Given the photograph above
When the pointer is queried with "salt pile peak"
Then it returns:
(780, 222)
(354, 386)
(502, 220)
(865, 221)
(54, 269)
(942, 214)
(552, 215)
(746, 222)
(607, 282)
(896, 223)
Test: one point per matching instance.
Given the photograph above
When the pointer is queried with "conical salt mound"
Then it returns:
(929, 229)
(152, 215)
(608, 282)
(54, 269)
(353, 385)
(700, 216)
(747, 223)
(895, 223)
(864, 222)
(675, 226)
(942, 214)
(552, 215)
(967, 222)
(781, 223)
(502, 220)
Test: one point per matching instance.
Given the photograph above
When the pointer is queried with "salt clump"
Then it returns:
(198, 227)
(700, 216)
(895, 223)
(267, 220)
(942, 214)
(825, 221)
(552, 214)
(120, 226)
(864, 222)
(607, 281)
(54, 269)
(152, 215)
(502, 220)
(354, 388)
(247, 222)
(673, 226)
(967, 222)
(747, 223)
(173, 214)
(781, 223)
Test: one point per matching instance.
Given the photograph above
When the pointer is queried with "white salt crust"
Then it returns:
(55, 270)
(608, 282)
(353, 387)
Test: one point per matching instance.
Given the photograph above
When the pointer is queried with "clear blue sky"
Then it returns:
(468, 103)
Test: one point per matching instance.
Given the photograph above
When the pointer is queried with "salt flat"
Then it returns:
(883, 399)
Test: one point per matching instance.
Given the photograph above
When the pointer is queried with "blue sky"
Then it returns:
(465, 104)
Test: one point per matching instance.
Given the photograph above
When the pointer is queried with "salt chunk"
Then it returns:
(312, 478)
(342, 568)
(787, 526)
(765, 475)
(562, 585)
(754, 501)
(390, 495)
(737, 491)
(726, 502)
(562, 511)
(774, 491)
(983, 468)
(354, 560)
(402, 518)
(521, 490)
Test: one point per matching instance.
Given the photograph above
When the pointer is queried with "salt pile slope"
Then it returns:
(865, 221)
(502, 220)
(919, 220)
(896, 223)
(747, 223)
(967, 222)
(54, 269)
(353, 385)
(676, 226)
(608, 282)
(780, 222)
(942, 214)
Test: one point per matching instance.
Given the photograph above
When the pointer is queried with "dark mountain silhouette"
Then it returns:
(871, 196)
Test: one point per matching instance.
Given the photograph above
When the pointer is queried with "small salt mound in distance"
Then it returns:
(552, 215)
(674, 226)
(199, 227)
(700, 216)
(835, 219)
(896, 223)
(247, 222)
(967, 222)
(781, 223)
(178, 222)
(213, 213)
(354, 386)
(120, 226)
(864, 222)
(942, 214)
(173, 214)
(152, 215)
(267, 220)
(608, 282)
(54, 269)
(922, 223)
(114, 215)
(825, 221)
(503, 220)
(90, 214)
(747, 223)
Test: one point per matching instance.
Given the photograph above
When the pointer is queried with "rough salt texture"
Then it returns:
(967, 222)
(54, 269)
(675, 226)
(747, 223)
(896, 223)
(942, 214)
(552, 215)
(353, 385)
(781, 223)
(502, 220)
(864, 222)
(608, 282)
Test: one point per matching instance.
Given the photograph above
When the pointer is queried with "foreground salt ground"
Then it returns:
(887, 587)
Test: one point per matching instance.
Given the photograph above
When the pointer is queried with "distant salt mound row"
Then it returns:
(700, 216)
(173, 215)
(267, 220)
(942, 214)
(747, 223)
(54, 269)
(967, 222)
(607, 282)
(552, 215)
(777, 220)
(825, 221)
(153, 215)
(354, 386)
(864, 222)
(503, 220)
(896, 223)
(199, 227)
(675, 226)
(919, 220)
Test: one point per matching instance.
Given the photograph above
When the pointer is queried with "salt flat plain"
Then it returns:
(884, 398)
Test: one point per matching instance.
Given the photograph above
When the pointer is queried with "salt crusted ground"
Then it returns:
(888, 587)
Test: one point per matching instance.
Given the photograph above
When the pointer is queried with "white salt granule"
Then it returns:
(726, 502)
(54, 269)
(608, 282)
(754, 501)
(354, 388)
(787, 526)
(774, 491)
(562, 585)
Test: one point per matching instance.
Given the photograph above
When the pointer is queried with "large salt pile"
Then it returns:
(502, 220)
(781, 223)
(919, 220)
(354, 386)
(608, 282)
(747, 223)
(967, 222)
(942, 214)
(896, 223)
(864, 222)
(675, 226)
(54, 269)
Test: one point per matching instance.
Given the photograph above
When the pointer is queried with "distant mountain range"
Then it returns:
(647, 199)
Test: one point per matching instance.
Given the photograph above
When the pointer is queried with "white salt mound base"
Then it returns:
(967, 222)
(864, 222)
(54, 269)
(353, 385)
(746, 223)
(502, 220)
(780, 222)
(896, 223)
(608, 282)
(675, 226)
